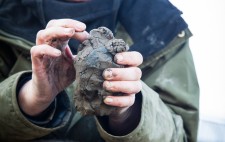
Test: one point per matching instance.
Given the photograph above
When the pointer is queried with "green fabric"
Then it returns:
(12, 122)
(16, 41)
(177, 85)
(170, 97)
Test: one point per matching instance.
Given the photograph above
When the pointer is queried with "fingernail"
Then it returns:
(69, 30)
(108, 85)
(108, 100)
(108, 74)
(118, 58)
(57, 52)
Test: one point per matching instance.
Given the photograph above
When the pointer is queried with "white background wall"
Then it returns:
(206, 19)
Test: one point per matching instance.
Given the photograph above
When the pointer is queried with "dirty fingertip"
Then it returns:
(118, 58)
(57, 52)
(108, 100)
(107, 74)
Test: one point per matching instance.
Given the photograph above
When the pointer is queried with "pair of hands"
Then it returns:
(53, 70)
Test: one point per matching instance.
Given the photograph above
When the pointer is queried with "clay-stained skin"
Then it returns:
(95, 55)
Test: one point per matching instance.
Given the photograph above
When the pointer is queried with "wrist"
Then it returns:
(29, 102)
(44, 117)
(120, 116)
(125, 122)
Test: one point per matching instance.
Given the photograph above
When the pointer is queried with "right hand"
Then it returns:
(52, 65)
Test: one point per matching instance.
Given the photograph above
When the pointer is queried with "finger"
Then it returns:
(127, 87)
(37, 52)
(81, 36)
(122, 74)
(120, 101)
(47, 35)
(68, 53)
(67, 23)
(74, 57)
(132, 58)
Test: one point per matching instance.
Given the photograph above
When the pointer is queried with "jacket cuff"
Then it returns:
(21, 124)
(155, 120)
(46, 116)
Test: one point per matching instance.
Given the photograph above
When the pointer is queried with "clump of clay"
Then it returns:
(94, 56)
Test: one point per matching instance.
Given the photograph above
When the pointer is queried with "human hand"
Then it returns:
(125, 80)
(52, 65)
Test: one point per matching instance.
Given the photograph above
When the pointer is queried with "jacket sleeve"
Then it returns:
(13, 124)
(170, 101)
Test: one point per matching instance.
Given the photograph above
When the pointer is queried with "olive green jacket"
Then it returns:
(170, 99)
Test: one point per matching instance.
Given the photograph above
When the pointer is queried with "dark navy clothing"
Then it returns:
(152, 24)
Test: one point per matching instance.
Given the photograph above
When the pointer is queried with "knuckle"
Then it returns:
(137, 87)
(138, 72)
(129, 100)
(68, 20)
(139, 84)
(140, 56)
(40, 37)
(51, 23)
(127, 88)
(132, 100)
(39, 33)
(32, 50)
